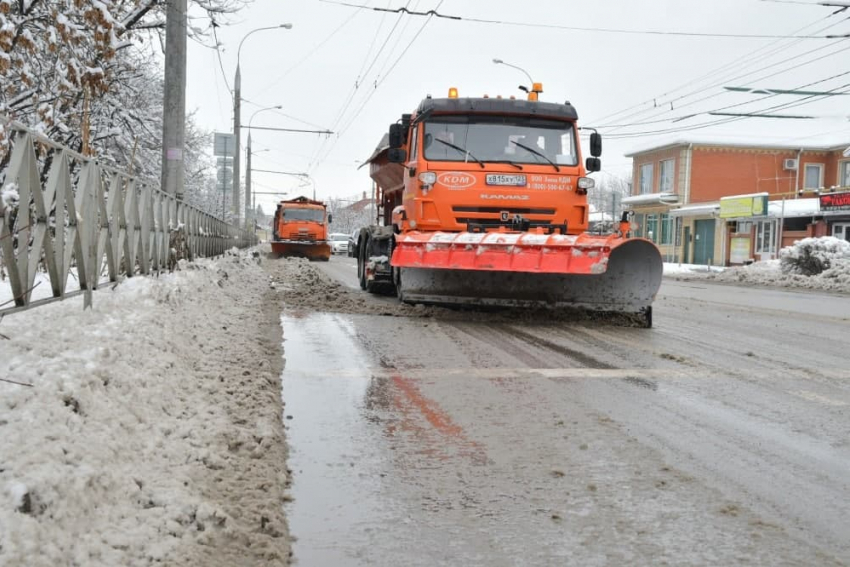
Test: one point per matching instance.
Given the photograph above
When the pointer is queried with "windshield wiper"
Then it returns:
(535, 152)
(513, 163)
(462, 150)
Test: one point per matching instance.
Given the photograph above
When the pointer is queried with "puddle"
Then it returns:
(336, 480)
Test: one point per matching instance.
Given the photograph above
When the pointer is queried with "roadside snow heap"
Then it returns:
(813, 256)
(812, 263)
(146, 430)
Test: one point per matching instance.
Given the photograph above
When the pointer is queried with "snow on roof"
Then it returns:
(695, 210)
(762, 194)
(651, 198)
(807, 207)
(830, 143)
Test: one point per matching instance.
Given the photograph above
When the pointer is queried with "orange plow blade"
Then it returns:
(312, 250)
(604, 273)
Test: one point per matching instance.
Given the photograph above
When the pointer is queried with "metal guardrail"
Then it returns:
(96, 218)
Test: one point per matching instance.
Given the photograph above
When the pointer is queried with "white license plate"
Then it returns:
(512, 180)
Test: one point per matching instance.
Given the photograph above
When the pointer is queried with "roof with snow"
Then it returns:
(822, 143)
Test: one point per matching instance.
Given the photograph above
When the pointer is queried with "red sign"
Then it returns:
(835, 202)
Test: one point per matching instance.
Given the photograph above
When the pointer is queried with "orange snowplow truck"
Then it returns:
(483, 201)
(300, 228)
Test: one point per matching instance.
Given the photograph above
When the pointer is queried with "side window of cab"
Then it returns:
(414, 144)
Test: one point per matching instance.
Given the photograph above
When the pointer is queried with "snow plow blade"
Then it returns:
(600, 273)
(311, 250)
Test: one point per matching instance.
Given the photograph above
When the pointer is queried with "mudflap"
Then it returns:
(311, 250)
(629, 283)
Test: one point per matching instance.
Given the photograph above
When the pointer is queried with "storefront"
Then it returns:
(696, 233)
(654, 222)
(835, 208)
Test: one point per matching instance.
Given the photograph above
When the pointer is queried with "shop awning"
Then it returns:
(696, 210)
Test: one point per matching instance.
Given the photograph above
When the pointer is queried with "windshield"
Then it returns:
(339, 237)
(315, 215)
(500, 138)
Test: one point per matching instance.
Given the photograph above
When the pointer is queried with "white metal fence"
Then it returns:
(72, 211)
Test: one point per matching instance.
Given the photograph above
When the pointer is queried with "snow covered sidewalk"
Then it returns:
(151, 432)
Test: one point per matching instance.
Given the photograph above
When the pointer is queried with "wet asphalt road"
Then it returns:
(719, 437)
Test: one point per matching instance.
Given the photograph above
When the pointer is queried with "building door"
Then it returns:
(841, 230)
(686, 249)
(703, 241)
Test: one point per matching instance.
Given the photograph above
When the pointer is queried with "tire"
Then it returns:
(646, 318)
(361, 263)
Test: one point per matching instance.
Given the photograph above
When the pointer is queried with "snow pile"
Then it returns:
(147, 429)
(671, 268)
(812, 256)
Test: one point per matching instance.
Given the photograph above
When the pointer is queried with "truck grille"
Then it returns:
(492, 216)
(303, 236)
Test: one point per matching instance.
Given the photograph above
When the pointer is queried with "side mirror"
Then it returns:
(593, 164)
(330, 218)
(596, 144)
(397, 132)
(396, 155)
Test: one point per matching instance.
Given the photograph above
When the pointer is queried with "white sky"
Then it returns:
(311, 71)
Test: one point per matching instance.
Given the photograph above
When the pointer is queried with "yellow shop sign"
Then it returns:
(743, 206)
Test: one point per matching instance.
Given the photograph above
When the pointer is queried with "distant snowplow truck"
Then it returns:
(483, 201)
(300, 228)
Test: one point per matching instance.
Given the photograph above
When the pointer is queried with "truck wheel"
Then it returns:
(646, 318)
(361, 264)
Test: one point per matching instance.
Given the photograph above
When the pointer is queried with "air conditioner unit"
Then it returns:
(790, 164)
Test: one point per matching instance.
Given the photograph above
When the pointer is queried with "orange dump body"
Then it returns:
(300, 228)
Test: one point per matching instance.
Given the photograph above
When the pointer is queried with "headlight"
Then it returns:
(586, 183)
(428, 177)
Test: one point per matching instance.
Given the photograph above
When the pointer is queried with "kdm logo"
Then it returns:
(456, 180)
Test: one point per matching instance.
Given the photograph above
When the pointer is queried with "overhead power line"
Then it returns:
(434, 13)
(721, 74)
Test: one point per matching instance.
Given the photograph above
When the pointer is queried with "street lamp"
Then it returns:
(237, 112)
(249, 203)
(536, 88)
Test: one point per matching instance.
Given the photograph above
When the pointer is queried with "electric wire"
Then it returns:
(747, 60)
(663, 106)
(434, 13)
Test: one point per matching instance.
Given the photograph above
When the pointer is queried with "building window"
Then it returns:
(678, 231)
(665, 176)
(814, 176)
(765, 237)
(666, 229)
(645, 182)
(743, 227)
(638, 220)
(844, 174)
(652, 227)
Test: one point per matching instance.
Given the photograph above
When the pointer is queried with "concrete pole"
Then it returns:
(249, 213)
(174, 99)
(237, 111)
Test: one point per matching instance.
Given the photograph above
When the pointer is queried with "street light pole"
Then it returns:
(249, 210)
(534, 90)
(237, 112)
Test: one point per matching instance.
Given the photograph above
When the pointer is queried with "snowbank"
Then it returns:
(827, 251)
(151, 431)
(676, 269)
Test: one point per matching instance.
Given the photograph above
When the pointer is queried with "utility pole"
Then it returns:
(249, 213)
(174, 100)
(237, 111)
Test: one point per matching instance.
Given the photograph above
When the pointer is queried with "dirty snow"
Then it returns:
(146, 430)
(770, 273)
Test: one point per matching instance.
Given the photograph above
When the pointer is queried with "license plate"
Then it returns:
(512, 180)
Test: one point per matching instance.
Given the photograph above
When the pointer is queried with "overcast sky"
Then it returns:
(311, 71)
